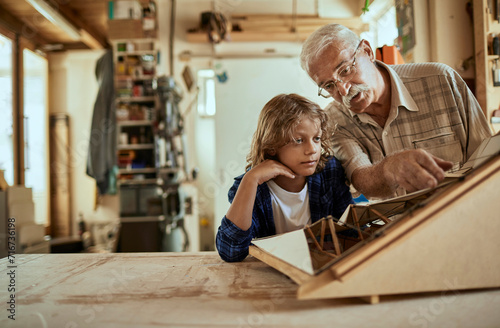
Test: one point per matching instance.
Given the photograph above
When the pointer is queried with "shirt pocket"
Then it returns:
(445, 146)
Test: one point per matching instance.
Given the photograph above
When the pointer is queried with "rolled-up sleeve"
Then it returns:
(232, 242)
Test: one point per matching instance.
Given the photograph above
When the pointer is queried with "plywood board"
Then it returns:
(444, 240)
(447, 245)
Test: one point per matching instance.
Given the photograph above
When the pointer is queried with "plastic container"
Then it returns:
(496, 46)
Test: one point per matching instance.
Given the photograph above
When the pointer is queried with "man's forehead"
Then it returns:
(328, 60)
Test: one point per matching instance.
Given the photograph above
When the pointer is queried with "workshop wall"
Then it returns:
(73, 89)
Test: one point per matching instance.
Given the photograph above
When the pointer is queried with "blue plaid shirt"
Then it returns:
(328, 195)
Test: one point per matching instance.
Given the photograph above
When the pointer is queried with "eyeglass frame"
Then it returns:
(335, 81)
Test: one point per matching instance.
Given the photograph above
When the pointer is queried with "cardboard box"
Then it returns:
(22, 211)
(31, 234)
(18, 193)
(125, 29)
(20, 204)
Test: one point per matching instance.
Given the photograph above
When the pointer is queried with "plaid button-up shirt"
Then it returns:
(431, 108)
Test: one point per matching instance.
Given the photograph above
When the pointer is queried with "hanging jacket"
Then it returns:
(102, 144)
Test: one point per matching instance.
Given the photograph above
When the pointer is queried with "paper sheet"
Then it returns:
(290, 247)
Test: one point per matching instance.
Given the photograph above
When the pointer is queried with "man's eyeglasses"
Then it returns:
(346, 73)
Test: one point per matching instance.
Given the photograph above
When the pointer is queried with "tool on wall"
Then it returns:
(217, 26)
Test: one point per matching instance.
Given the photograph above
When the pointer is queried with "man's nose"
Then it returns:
(343, 88)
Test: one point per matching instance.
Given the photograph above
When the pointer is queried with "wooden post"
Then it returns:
(322, 238)
(356, 221)
(334, 235)
(481, 53)
(380, 215)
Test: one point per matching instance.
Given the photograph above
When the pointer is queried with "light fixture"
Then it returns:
(49, 12)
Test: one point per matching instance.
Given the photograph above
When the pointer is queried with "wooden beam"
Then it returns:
(18, 27)
(90, 41)
(480, 53)
(202, 37)
(18, 117)
(371, 299)
(90, 36)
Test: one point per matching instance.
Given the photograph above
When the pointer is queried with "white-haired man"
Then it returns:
(399, 127)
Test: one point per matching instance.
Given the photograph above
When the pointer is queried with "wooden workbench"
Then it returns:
(200, 290)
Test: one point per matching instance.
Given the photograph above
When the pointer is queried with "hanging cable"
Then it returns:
(171, 38)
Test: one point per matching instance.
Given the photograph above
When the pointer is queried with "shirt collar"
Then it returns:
(400, 95)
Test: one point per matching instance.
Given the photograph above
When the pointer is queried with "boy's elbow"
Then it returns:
(231, 255)
(231, 259)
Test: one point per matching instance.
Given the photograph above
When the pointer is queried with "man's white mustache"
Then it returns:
(353, 92)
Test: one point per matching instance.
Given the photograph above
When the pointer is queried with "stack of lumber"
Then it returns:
(279, 27)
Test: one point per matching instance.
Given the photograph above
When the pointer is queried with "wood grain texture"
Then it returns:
(200, 290)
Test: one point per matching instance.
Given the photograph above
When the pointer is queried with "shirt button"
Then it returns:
(385, 133)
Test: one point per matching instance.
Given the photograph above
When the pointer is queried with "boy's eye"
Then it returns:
(317, 139)
(298, 140)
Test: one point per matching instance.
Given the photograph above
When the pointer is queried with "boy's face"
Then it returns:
(302, 154)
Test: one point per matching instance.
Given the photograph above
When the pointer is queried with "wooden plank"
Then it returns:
(17, 26)
(307, 19)
(202, 37)
(200, 290)
(298, 276)
(372, 299)
(278, 28)
(424, 252)
(92, 36)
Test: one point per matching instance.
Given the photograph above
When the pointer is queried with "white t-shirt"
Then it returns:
(290, 209)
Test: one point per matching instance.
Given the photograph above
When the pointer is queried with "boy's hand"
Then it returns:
(268, 170)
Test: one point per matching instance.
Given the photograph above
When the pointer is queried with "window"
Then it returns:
(35, 131)
(6, 110)
(24, 112)
(206, 93)
(383, 24)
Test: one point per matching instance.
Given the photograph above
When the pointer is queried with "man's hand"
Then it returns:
(410, 169)
(414, 170)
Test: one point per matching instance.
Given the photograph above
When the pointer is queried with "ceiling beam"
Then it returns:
(21, 28)
(90, 36)
(83, 31)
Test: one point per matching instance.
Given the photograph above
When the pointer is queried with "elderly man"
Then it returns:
(399, 128)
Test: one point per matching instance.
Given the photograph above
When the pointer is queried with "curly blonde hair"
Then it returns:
(276, 125)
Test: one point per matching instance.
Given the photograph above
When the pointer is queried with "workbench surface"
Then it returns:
(200, 290)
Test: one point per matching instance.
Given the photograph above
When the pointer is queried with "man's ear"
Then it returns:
(366, 47)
